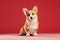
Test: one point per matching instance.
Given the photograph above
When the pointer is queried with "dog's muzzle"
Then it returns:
(30, 17)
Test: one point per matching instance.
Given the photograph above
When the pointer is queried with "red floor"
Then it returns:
(39, 37)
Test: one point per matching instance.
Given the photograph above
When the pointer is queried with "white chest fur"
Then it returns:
(32, 25)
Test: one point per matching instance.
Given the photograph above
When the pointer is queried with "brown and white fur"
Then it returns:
(31, 23)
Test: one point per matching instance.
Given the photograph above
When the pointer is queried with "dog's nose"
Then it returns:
(31, 17)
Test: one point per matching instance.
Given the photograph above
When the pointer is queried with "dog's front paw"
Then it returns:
(27, 34)
(35, 34)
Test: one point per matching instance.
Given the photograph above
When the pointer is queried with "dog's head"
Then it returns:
(30, 14)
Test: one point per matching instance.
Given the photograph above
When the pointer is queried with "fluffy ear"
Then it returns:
(35, 9)
(25, 11)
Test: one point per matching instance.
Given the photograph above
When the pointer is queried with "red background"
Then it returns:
(12, 17)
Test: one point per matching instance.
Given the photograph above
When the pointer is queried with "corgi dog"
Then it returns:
(31, 24)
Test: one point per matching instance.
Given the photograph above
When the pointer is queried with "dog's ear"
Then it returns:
(25, 11)
(35, 9)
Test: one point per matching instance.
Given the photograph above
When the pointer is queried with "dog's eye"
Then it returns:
(32, 13)
(28, 14)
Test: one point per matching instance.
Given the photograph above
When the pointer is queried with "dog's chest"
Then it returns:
(32, 26)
